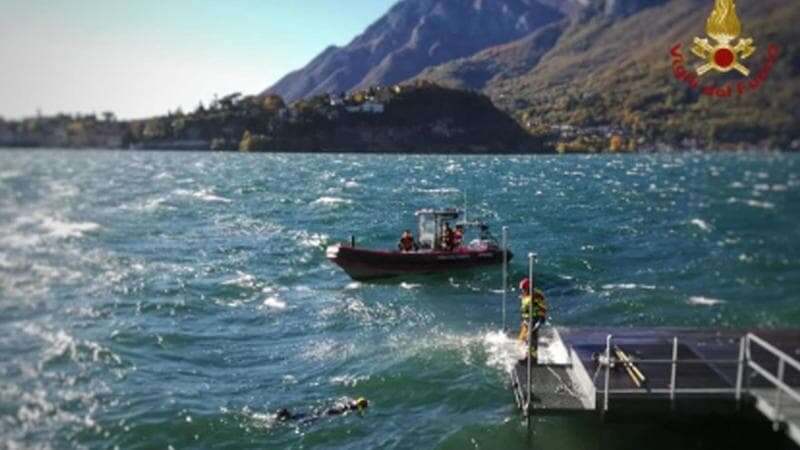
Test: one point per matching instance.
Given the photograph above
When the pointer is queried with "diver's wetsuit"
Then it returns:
(284, 415)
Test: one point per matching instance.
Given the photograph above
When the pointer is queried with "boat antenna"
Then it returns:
(505, 274)
(528, 403)
(466, 219)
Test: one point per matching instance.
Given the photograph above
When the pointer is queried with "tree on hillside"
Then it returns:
(229, 101)
(615, 144)
(154, 129)
(178, 125)
(358, 97)
(76, 129)
(273, 103)
(253, 142)
(246, 144)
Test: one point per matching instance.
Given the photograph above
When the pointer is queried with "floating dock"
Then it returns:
(670, 370)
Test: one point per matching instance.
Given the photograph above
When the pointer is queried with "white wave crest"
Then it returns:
(704, 301)
(628, 286)
(331, 201)
(452, 168)
(20, 240)
(62, 344)
(753, 203)
(436, 190)
(327, 350)
(9, 174)
(208, 196)
(502, 351)
(758, 204)
(244, 280)
(702, 224)
(62, 230)
(348, 380)
(273, 303)
(312, 240)
(153, 204)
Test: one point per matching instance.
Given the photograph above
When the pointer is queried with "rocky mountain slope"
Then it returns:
(414, 35)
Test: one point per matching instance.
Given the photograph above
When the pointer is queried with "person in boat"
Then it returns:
(458, 236)
(407, 243)
(448, 237)
(485, 235)
(536, 305)
(340, 408)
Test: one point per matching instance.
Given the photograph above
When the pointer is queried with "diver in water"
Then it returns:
(341, 408)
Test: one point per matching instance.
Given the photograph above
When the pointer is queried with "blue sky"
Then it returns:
(144, 57)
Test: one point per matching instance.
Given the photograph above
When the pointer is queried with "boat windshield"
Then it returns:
(427, 230)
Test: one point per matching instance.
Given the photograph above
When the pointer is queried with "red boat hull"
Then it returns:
(364, 264)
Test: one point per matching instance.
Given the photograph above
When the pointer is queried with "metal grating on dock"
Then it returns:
(685, 371)
(561, 384)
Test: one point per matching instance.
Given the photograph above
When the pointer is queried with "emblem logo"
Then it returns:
(723, 26)
(723, 51)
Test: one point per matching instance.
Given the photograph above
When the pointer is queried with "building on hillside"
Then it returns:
(368, 107)
(336, 100)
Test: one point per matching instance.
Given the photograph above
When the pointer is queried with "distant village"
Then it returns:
(184, 131)
(256, 123)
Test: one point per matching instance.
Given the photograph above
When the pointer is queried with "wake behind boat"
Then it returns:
(431, 253)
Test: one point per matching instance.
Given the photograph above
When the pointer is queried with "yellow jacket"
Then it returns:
(538, 304)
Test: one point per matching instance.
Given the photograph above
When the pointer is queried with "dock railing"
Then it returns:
(777, 380)
(744, 363)
(672, 389)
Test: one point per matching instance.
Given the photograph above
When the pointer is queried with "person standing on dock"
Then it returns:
(531, 304)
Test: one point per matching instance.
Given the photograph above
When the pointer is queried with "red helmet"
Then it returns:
(525, 284)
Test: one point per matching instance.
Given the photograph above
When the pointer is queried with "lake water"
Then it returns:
(150, 300)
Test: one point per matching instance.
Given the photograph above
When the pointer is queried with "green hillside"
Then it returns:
(596, 71)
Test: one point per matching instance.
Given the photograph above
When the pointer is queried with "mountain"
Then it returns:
(611, 64)
(579, 65)
(414, 35)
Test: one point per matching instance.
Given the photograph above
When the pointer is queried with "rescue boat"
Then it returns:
(365, 264)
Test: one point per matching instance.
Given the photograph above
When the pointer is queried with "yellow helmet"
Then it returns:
(361, 403)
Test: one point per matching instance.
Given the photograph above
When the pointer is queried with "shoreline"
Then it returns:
(409, 152)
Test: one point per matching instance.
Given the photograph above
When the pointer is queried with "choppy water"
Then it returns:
(150, 300)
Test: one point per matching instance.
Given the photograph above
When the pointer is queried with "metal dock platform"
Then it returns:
(680, 371)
